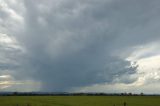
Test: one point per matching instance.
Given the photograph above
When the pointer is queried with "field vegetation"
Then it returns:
(79, 100)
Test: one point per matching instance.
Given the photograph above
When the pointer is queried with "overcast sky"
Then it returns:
(80, 45)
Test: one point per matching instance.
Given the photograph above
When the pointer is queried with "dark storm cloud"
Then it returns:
(77, 43)
(73, 48)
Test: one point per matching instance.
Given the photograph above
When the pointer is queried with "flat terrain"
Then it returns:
(79, 100)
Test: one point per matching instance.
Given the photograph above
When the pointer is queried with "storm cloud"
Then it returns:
(68, 44)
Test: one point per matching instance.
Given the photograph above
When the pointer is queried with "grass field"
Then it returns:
(79, 100)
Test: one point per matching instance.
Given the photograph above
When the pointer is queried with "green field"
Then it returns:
(79, 100)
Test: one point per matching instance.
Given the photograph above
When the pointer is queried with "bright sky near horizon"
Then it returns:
(80, 45)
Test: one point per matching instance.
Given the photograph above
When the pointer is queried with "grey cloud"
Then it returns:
(73, 43)
(72, 50)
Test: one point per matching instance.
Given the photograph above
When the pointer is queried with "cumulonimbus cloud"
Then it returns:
(71, 43)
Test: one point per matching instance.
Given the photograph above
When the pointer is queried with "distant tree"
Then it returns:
(130, 94)
(141, 93)
(15, 93)
(122, 94)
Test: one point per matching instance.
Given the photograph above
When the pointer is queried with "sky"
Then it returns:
(107, 46)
